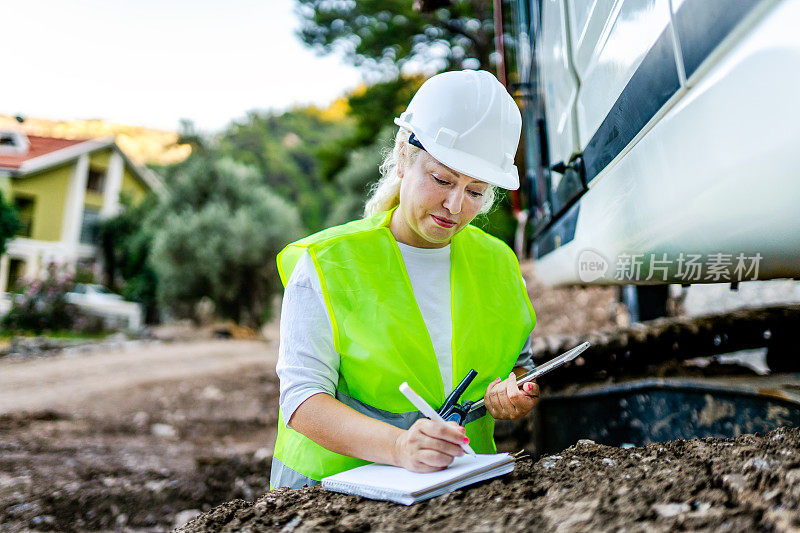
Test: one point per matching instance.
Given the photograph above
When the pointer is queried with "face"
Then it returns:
(436, 202)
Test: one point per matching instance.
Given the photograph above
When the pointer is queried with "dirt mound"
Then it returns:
(747, 483)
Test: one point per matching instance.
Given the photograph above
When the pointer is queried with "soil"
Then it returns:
(144, 457)
(743, 484)
(572, 310)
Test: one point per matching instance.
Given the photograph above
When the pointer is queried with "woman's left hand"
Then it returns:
(504, 400)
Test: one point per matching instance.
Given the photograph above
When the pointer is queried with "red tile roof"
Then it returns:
(39, 146)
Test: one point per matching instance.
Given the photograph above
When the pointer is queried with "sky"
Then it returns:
(154, 62)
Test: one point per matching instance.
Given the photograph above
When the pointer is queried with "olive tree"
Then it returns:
(217, 235)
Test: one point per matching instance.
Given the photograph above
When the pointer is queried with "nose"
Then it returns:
(453, 201)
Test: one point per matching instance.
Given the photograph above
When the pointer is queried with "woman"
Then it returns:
(411, 293)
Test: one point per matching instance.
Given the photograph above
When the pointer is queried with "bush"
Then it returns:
(42, 306)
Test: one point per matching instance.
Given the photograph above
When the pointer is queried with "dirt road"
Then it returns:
(141, 439)
(62, 380)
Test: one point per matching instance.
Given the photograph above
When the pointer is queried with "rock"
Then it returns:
(45, 519)
(758, 463)
(212, 393)
(141, 419)
(668, 510)
(164, 430)
(262, 454)
(702, 508)
(156, 486)
(291, 525)
(183, 517)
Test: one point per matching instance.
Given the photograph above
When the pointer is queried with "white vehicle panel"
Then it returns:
(732, 141)
(632, 33)
(559, 83)
(588, 22)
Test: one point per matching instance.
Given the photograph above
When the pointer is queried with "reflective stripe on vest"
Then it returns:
(381, 337)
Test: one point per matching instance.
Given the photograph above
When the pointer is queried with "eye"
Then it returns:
(476, 194)
(440, 182)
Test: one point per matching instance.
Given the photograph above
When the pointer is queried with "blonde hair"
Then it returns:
(385, 193)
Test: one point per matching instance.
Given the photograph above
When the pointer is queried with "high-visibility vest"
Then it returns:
(382, 340)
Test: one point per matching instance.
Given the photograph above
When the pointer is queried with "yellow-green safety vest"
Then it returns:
(382, 340)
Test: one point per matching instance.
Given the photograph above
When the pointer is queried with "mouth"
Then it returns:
(443, 222)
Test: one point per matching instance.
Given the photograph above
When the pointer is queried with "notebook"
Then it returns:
(396, 484)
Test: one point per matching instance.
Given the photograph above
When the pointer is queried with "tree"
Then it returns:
(371, 110)
(359, 172)
(385, 35)
(9, 223)
(126, 243)
(217, 235)
(284, 149)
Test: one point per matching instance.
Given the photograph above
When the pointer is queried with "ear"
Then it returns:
(401, 160)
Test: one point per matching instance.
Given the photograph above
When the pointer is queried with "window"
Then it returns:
(24, 207)
(90, 226)
(16, 270)
(13, 142)
(96, 179)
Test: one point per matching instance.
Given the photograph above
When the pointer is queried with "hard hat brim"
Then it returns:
(465, 163)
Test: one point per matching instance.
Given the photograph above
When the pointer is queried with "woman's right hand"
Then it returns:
(428, 446)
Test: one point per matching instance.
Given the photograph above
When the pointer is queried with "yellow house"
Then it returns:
(62, 188)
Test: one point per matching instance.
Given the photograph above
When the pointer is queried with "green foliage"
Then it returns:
(499, 221)
(361, 153)
(283, 149)
(377, 106)
(358, 174)
(126, 246)
(42, 306)
(84, 275)
(383, 35)
(371, 111)
(9, 223)
(217, 235)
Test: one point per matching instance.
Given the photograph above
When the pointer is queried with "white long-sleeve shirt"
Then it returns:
(307, 361)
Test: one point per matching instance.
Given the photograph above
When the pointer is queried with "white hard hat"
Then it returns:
(468, 122)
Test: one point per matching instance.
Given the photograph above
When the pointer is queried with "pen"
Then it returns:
(427, 410)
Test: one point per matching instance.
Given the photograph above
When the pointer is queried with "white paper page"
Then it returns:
(400, 480)
(497, 471)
